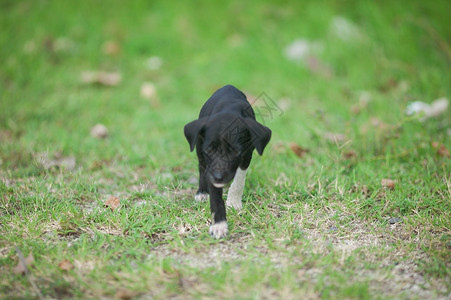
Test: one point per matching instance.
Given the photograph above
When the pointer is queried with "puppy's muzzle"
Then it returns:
(217, 178)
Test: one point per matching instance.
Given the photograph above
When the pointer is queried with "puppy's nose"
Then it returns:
(217, 176)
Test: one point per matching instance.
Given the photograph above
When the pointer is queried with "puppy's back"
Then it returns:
(227, 98)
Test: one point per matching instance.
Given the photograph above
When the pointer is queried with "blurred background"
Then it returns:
(351, 199)
(320, 74)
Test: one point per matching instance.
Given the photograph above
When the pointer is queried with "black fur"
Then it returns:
(225, 135)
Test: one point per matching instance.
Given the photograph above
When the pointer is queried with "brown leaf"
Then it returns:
(65, 265)
(350, 154)
(388, 85)
(125, 294)
(442, 151)
(112, 202)
(388, 183)
(21, 268)
(298, 150)
(101, 77)
(435, 145)
(111, 48)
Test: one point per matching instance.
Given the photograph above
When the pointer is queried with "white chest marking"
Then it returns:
(236, 189)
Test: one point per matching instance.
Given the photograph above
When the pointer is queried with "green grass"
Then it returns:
(316, 227)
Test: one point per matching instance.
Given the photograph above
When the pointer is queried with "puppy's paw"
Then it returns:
(234, 203)
(201, 197)
(219, 230)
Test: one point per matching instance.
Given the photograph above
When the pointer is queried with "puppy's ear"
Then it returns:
(260, 134)
(192, 131)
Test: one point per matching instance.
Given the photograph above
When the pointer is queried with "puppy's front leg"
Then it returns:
(218, 228)
(202, 192)
(236, 189)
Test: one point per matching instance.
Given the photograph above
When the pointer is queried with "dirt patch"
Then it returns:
(230, 250)
(397, 272)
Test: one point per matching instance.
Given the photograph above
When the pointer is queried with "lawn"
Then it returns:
(351, 199)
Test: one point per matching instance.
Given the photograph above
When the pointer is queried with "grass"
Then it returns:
(318, 226)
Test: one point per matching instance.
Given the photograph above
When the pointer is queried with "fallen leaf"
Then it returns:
(442, 151)
(388, 85)
(65, 265)
(21, 268)
(350, 154)
(388, 183)
(112, 202)
(434, 109)
(149, 91)
(125, 294)
(298, 150)
(99, 131)
(111, 48)
(97, 165)
(101, 77)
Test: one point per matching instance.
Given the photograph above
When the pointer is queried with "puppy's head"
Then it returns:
(223, 140)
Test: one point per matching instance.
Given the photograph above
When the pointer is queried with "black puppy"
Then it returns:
(225, 135)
